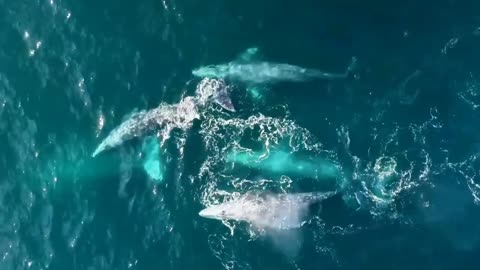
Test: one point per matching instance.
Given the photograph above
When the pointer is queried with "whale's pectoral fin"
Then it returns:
(257, 91)
(222, 98)
(289, 242)
(251, 54)
(351, 67)
(152, 163)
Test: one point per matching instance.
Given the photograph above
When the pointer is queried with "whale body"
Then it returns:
(167, 117)
(279, 162)
(267, 210)
(250, 71)
(264, 73)
(141, 123)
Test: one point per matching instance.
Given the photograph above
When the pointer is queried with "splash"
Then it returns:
(470, 93)
(385, 170)
(398, 161)
(222, 135)
(279, 138)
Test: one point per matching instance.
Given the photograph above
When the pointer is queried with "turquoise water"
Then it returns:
(402, 134)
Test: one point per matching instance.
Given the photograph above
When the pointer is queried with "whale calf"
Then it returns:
(166, 117)
(251, 71)
(267, 210)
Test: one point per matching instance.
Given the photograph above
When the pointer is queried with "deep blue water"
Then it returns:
(403, 131)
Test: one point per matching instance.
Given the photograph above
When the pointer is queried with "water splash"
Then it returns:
(470, 93)
(223, 135)
(398, 161)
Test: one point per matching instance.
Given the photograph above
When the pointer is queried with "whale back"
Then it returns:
(279, 211)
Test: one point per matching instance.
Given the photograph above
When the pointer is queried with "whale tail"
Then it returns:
(320, 196)
(313, 197)
(318, 74)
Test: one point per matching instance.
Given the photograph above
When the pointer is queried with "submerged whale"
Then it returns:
(166, 117)
(267, 210)
(251, 71)
(279, 162)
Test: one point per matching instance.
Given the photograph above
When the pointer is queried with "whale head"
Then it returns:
(211, 71)
(225, 211)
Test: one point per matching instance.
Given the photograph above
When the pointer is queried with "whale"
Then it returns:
(266, 210)
(280, 162)
(144, 122)
(252, 71)
(167, 117)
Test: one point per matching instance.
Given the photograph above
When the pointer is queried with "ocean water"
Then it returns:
(402, 134)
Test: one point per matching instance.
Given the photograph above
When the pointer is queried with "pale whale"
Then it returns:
(267, 210)
(251, 71)
(166, 117)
